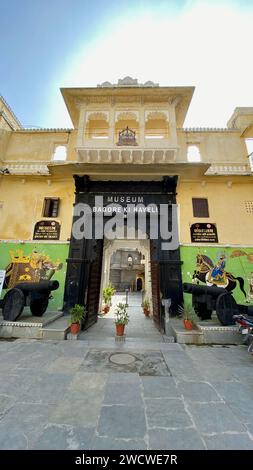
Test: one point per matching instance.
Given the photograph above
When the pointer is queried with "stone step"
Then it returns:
(128, 343)
(27, 326)
(57, 330)
(208, 332)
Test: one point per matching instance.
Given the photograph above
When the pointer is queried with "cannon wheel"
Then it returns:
(39, 306)
(226, 307)
(14, 302)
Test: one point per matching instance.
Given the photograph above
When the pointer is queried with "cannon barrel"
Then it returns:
(196, 289)
(42, 286)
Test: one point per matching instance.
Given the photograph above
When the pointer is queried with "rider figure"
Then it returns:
(218, 273)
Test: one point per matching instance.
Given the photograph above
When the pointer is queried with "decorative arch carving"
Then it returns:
(127, 116)
(97, 116)
(157, 115)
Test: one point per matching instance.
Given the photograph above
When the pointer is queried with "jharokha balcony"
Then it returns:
(129, 147)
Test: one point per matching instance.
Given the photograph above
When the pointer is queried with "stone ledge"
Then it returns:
(209, 334)
(21, 324)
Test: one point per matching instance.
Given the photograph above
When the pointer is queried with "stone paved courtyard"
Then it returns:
(144, 393)
(50, 400)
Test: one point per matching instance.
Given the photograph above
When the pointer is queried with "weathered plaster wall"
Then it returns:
(39, 146)
(215, 147)
(226, 209)
(23, 200)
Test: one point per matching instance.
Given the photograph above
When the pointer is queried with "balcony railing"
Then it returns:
(135, 155)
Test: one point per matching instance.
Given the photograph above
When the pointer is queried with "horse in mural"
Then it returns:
(215, 275)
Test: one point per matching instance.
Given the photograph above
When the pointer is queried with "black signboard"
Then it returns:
(204, 233)
(47, 230)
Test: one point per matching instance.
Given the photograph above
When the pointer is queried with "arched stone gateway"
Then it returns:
(101, 226)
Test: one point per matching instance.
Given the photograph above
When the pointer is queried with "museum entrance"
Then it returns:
(126, 266)
(116, 222)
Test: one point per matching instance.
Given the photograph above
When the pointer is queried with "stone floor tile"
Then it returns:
(123, 393)
(63, 437)
(108, 443)
(166, 413)
(159, 387)
(229, 442)
(214, 417)
(198, 392)
(120, 421)
(177, 439)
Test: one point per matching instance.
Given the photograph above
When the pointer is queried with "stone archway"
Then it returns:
(110, 246)
(139, 283)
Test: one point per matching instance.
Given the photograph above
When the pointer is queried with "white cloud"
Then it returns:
(207, 46)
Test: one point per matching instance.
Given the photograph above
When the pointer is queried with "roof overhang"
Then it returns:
(181, 96)
(124, 172)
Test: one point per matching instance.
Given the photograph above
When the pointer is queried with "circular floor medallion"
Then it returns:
(122, 358)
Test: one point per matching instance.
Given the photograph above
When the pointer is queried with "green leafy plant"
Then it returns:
(188, 313)
(146, 304)
(77, 313)
(121, 315)
(108, 292)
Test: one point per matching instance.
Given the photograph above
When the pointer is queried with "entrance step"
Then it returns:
(129, 343)
(57, 330)
(208, 332)
(28, 326)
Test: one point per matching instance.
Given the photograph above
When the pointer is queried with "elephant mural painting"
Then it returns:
(34, 267)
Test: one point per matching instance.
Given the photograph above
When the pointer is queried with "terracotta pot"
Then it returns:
(106, 309)
(120, 330)
(188, 324)
(146, 311)
(74, 328)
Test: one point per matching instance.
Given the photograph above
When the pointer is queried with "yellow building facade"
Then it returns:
(127, 134)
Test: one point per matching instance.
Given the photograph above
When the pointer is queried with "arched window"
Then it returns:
(193, 153)
(156, 125)
(97, 126)
(130, 260)
(124, 120)
(60, 153)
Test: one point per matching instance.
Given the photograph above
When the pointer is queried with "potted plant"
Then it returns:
(146, 307)
(108, 292)
(77, 314)
(189, 316)
(121, 319)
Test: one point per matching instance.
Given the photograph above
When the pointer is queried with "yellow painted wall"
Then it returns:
(39, 146)
(23, 205)
(226, 209)
(248, 133)
(4, 141)
(215, 147)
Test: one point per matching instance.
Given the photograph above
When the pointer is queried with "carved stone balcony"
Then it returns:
(127, 155)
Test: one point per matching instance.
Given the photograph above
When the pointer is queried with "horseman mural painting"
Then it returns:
(215, 275)
(229, 268)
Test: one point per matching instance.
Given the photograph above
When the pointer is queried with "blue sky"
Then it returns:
(46, 44)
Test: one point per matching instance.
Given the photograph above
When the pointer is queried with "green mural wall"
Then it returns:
(35, 262)
(237, 261)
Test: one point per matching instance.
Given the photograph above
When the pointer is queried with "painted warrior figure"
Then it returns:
(218, 272)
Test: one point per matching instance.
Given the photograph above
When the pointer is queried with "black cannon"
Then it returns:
(205, 299)
(33, 294)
